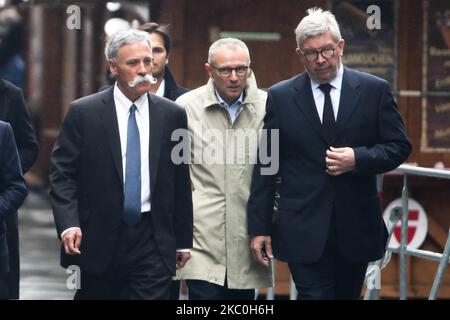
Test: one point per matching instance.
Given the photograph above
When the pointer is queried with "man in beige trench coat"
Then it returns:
(224, 119)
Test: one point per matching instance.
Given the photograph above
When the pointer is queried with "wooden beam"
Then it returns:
(172, 12)
(436, 232)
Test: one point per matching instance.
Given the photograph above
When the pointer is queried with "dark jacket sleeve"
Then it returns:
(183, 194)
(393, 147)
(23, 130)
(63, 174)
(262, 191)
(13, 187)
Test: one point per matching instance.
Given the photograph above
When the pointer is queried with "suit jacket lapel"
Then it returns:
(108, 118)
(305, 102)
(349, 98)
(156, 114)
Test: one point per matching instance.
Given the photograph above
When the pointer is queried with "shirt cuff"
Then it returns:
(183, 250)
(68, 229)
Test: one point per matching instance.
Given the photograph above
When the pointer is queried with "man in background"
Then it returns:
(14, 111)
(165, 85)
(12, 193)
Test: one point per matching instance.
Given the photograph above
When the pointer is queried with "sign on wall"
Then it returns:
(436, 77)
(370, 31)
(417, 224)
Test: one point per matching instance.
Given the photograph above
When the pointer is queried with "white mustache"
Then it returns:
(140, 79)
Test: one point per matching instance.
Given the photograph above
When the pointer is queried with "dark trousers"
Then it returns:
(9, 282)
(332, 277)
(204, 290)
(137, 271)
(4, 286)
(175, 290)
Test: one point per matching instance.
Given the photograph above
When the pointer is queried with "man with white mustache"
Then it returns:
(140, 79)
(122, 208)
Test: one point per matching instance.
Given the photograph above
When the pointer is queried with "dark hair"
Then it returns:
(153, 27)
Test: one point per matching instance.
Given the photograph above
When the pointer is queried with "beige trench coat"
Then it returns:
(222, 158)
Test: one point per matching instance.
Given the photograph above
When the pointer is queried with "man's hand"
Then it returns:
(182, 258)
(261, 247)
(339, 160)
(71, 241)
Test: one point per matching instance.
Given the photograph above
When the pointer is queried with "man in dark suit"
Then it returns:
(337, 128)
(13, 110)
(122, 206)
(12, 193)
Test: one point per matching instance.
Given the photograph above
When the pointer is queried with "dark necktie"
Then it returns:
(132, 199)
(328, 121)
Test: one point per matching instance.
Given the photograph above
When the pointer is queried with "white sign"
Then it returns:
(417, 224)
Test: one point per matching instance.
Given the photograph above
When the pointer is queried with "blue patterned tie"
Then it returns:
(132, 202)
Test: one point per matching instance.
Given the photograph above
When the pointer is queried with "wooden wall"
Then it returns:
(191, 23)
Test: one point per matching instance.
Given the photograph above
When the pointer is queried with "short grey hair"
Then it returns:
(119, 39)
(230, 43)
(317, 22)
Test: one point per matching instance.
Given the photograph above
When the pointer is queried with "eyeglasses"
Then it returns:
(226, 71)
(313, 55)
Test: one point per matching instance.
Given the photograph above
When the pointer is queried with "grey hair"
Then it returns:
(230, 43)
(317, 22)
(119, 39)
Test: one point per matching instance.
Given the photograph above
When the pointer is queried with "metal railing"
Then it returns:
(403, 250)
(373, 273)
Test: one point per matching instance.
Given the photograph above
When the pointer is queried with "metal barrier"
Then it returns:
(373, 273)
(374, 270)
(403, 250)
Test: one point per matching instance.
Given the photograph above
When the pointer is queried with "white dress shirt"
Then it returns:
(335, 93)
(161, 89)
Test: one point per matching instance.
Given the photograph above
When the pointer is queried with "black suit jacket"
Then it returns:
(13, 110)
(12, 187)
(86, 180)
(172, 91)
(368, 121)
